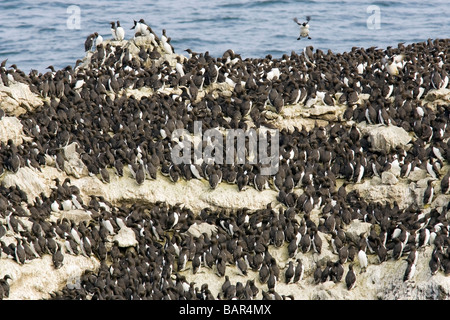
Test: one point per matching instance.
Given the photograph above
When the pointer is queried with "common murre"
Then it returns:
(304, 27)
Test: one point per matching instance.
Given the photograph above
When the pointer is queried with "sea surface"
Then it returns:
(36, 34)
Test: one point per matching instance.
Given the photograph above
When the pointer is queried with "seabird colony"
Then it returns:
(87, 104)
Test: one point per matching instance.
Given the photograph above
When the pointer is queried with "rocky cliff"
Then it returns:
(92, 205)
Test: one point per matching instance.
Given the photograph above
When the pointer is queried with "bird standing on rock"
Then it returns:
(299, 271)
(119, 32)
(362, 257)
(350, 278)
(5, 286)
(98, 39)
(290, 272)
(89, 42)
(429, 192)
(113, 30)
(58, 258)
(445, 184)
(410, 270)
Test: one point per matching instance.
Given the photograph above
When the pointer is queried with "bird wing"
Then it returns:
(296, 21)
(308, 18)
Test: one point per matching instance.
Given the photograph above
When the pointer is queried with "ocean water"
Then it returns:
(36, 34)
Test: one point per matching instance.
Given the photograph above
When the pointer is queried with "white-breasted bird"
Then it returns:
(119, 32)
(113, 30)
(410, 270)
(362, 257)
(393, 64)
(304, 28)
(98, 39)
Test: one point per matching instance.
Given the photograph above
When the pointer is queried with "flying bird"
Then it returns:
(304, 28)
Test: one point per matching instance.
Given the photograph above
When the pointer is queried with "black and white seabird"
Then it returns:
(434, 263)
(119, 32)
(5, 285)
(317, 275)
(299, 271)
(113, 30)
(58, 257)
(316, 242)
(89, 42)
(104, 173)
(337, 272)
(136, 27)
(304, 27)
(19, 252)
(445, 183)
(242, 266)
(362, 257)
(98, 39)
(290, 272)
(410, 270)
(140, 28)
(350, 278)
(429, 192)
(140, 174)
(398, 249)
(327, 272)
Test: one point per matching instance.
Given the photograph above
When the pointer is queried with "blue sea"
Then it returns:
(36, 34)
